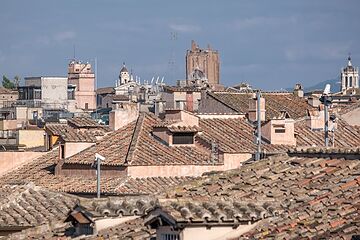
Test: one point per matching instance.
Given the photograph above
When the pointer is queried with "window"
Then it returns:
(279, 130)
(86, 106)
(169, 236)
(62, 151)
(183, 138)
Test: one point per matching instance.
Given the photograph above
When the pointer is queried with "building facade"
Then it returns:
(82, 76)
(205, 60)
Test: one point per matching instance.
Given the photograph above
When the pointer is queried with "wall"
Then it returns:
(82, 170)
(31, 138)
(8, 124)
(253, 109)
(72, 148)
(231, 161)
(353, 117)
(11, 160)
(287, 137)
(120, 117)
(215, 233)
(110, 222)
(8, 97)
(54, 91)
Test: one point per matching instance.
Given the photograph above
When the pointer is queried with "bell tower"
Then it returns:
(349, 77)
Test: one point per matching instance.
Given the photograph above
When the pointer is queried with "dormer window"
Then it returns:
(183, 138)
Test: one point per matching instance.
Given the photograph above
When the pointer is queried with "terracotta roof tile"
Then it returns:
(41, 172)
(275, 103)
(313, 202)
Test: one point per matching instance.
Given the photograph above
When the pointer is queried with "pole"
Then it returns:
(258, 112)
(326, 122)
(98, 177)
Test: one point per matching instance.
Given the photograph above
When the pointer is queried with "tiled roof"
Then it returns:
(345, 135)
(233, 135)
(29, 205)
(73, 134)
(274, 103)
(105, 90)
(181, 89)
(217, 211)
(83, 122)
(132, 229)
(318, 197)
(7, 91)
(40, 172)
(134, 145)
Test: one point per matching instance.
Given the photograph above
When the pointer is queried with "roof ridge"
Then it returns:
(135, 136)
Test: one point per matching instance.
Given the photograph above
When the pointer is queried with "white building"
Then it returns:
(349, 77)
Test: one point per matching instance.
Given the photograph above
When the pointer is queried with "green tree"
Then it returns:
(7, 83)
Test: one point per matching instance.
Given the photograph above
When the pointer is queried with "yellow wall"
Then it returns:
(31, 138)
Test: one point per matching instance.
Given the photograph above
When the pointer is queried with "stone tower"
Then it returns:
(349, 77)
(124, 76)
(205, 60)
(81, 75)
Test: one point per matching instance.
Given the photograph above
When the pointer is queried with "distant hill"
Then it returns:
(320, 86)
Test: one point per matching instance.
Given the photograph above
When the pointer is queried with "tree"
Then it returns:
(7, 83)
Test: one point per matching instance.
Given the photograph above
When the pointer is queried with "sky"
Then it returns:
(268, 44)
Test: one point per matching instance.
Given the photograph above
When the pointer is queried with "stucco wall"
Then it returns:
(71, 148)
(118, 118)
(109, 222)
(353, 117)
(54, 91)
(231, 161)
(8, 124)
(11, 160)
(215, 233)
(31, 138)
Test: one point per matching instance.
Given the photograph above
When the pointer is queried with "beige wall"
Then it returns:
(253, 109)
(215, 233)
(110, 222)
(287, 138)
(71, 148)
(120, 117)
(11, 160)
(25, 113)
(231, 161)
(353, 117)
(31, 138)
(8, 124)
(208, 233)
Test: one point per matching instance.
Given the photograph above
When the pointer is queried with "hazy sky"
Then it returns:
(269, 44)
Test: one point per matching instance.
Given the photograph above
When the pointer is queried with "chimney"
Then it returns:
(313, 101)
(159, 107)
(123, 114)
(252, 113)
(280, 130)
(316, 118)
(298, 90)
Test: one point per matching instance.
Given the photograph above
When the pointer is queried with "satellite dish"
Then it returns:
(327, 89)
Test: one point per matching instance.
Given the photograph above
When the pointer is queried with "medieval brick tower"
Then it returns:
(205, 60)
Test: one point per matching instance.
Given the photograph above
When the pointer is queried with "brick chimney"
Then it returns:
(123, 114)
(252, 113)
